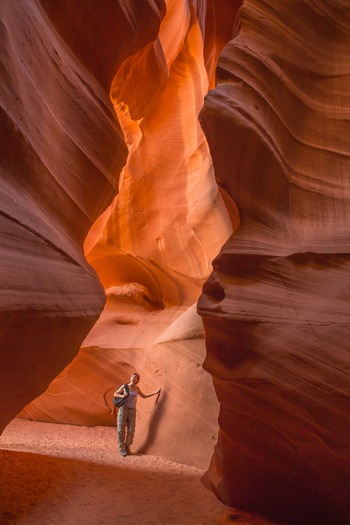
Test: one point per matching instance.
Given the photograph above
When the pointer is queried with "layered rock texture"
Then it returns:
(152, 247)
(276, 308)
(62, 152)
(118, 190)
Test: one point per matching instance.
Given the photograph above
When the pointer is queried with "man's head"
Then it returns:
(135, 378)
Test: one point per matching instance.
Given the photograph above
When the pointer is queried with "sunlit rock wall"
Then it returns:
(62, 152)
(276, 308)
(169, 219)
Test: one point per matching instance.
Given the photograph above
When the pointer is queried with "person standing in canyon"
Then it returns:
(126, 419)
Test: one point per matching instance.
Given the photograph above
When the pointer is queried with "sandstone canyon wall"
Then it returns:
(117, 89)
(62, 152)
(276, 308)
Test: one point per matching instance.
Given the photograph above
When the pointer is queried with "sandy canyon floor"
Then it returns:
(58, 474)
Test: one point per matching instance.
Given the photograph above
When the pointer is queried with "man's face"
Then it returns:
(134, 379)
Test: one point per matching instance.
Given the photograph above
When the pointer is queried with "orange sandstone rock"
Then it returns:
(169, 219)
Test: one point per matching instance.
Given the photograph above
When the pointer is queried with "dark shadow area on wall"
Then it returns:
(154, 424)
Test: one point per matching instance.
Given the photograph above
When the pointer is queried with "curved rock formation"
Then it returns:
(62, 153)
(166, 245)
(276, 308)
(103, 34)
(152, 249)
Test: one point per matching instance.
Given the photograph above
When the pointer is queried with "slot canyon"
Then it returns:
(175, 200)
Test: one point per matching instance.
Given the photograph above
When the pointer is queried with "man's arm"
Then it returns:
(148, 395)
(121, 392)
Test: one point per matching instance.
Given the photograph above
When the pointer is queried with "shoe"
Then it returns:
(123, 453)
(128, 451)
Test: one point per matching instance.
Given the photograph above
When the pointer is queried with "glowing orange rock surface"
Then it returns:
(169, 217)
(152, 249)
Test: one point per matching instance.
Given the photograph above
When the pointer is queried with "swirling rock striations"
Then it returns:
(168, 220)
(62, 152)
(276, 308)
(152, 249)
(103, 34)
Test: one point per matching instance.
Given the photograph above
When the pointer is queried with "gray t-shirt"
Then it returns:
(130, 401)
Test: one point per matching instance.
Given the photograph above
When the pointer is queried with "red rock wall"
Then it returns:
(62, 152)
(276, 308)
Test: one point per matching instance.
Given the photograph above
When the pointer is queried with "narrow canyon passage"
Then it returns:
(152, 250)
(189, 222)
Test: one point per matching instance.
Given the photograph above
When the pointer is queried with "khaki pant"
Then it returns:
(126, 421)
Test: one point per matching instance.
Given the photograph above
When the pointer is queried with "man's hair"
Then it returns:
(137, 375)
